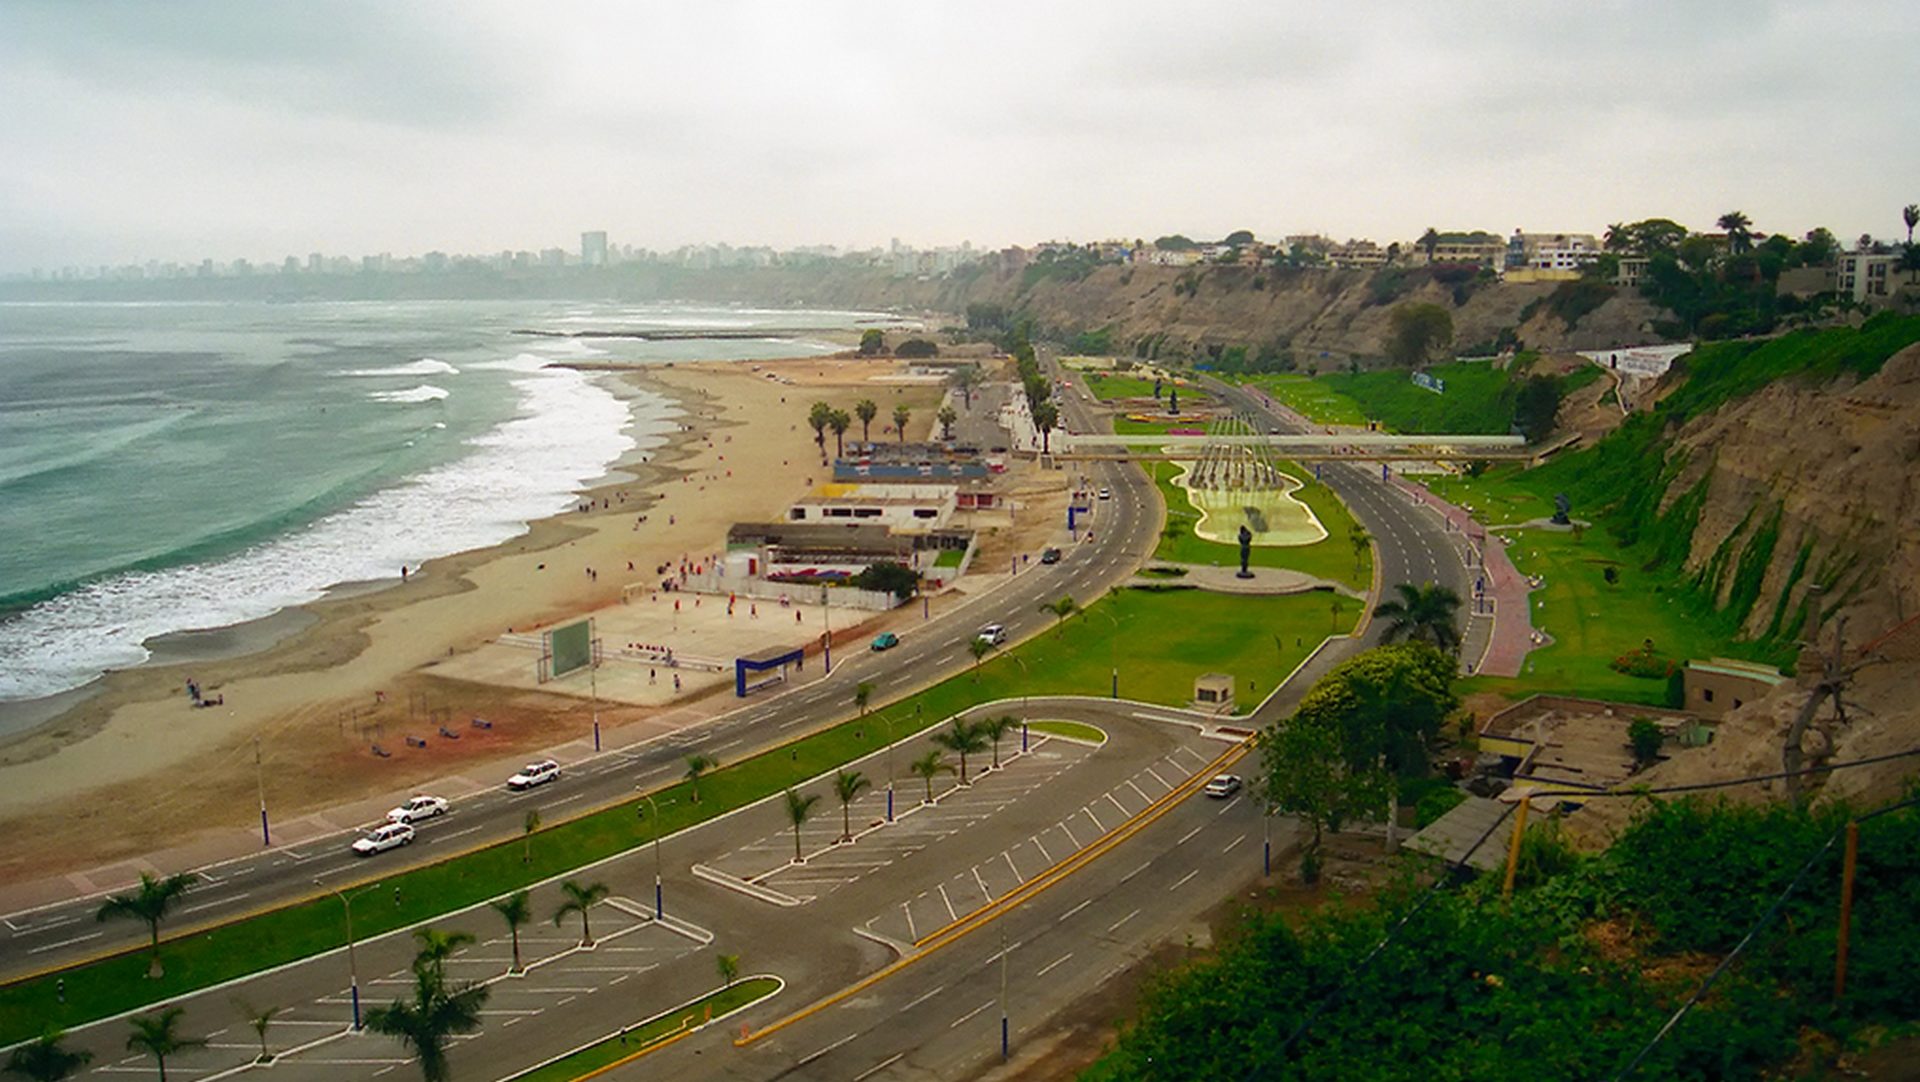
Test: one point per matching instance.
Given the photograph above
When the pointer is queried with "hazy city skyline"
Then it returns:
(229, 130)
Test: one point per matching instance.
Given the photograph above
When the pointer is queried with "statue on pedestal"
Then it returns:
(1561, 505)
(1246, 551)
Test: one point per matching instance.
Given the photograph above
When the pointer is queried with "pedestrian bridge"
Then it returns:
(1359, 446)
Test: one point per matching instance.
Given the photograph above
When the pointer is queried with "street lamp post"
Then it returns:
(659, 904)
(1026, 676)
(826, 641)
(260, 782)
(888, 722)
(1003, 991)
(593, 686)
(353, 965)
(1266, 850)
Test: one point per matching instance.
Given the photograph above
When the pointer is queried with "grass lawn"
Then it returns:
(949, 558)
(1310, 398)
(1494, 498)
(1332, 558)
(1227, 634)
(1072, 730)
(1478, 399)
(659, 1027)
(1106, 387)
(1593, 622)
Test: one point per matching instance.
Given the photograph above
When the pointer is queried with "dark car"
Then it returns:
(886, 640)
(1050, 556)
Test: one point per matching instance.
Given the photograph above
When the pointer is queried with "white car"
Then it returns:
(993, 634)
(534, 774)
(417, 808)
(1106, 494)
(1223, 785)
(382, 838)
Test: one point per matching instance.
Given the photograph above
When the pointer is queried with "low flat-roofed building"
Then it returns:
(1718, 685)
(904, 508)
(1558, 742)
(912, 462)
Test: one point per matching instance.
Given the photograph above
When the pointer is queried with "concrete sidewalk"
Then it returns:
(1504, 593)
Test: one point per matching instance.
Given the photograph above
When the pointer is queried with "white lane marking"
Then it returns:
(1045, 969)
(922, 998)
(1144, 865)
(217, 901)
(878, 1067)
(1188, 836)
(1234, 842)
(1182, 881)
(828, 1048)
(969, 1016)
(456, 834)
(1072, 911)
(1115, 926)
(65, 942)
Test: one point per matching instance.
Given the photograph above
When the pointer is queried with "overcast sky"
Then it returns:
(178, 130)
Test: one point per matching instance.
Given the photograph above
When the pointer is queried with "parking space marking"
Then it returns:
(951, 915)
(1070, 836)
(1122, 808)
(1158, 778)
(1139, 792)
(1097, 824)
(1044, 855)
(1017, 877)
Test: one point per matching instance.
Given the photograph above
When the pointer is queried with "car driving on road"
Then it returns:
(1223, 785)
(417, 808)
(380, 839)
(1106, 494)
(534, 774)
(993, 634)
(1050, 556)
(886, 640)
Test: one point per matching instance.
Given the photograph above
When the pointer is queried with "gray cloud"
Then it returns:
(259, 129)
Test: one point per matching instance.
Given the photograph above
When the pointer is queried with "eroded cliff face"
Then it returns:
(1832, 473)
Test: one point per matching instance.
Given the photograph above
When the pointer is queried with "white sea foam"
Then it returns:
(566, 432)
(426, 392)
(425, 366)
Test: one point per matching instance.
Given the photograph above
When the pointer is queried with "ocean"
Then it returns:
(171, 467)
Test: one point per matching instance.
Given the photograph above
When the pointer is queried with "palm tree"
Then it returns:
(995, 729)
(818, 416)
(527, 826)
(947, 416)
(979, 648)
(1361, 540)
(43, 1060)
(1619, 238)
(516, 910)
(1430, 240)
(1060, 609)
(1045, 416)
(428, 1022)
(839, 421)
(156, 1036)
(967, 377)
(862, 695)
(437, 946)
(1738, 229)
(579, 900)
(261, 1021)
(150, 903)
(866, 410)
(1423, 614)
(1911, 215)
(963, 739)
(930, 766)
(901, 415)
(799, 809)
(697, 764)
(847, 785)
(729, 967)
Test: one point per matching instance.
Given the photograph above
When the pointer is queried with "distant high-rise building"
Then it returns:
(593, 248)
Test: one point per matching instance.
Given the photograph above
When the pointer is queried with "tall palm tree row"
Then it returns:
(839, 421)
(44, 1060)
(516, 910)
(697, 764)
(1424, 613)
(819, 415)
(580, 898)
(848, 785)
(149, 903)
(901, 415)
(963, 738)
(159, 1036)
(799, 810)
(1911, 215)
(930, 766)
(995, 730)
(866, 410)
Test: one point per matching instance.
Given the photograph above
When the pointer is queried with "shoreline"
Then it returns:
(313, 680)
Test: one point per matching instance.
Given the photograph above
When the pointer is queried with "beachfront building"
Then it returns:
(916, 462)
(833, 552)
(1478, 247)
(1566, 252)
(903, 508)
(1360, 254)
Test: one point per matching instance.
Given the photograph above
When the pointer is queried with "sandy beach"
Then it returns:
(135, 767)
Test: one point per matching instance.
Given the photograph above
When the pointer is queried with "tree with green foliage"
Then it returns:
(839, 421)
(995, 729)
(979, 648)
(1060, 609)
(1046, 416)
(1739, 230)
(930, 766)
(847, 786)
(581, 897)
(44, 1060)
(888, 577)
(429, 1021)
(529, 824)
(819, 415)
(1362, 543)
(967, 378)
(1646, 738)
(437, 946)
(799, 809)
(697, 764)
(1175, 242)
(873, 342)
(1537, 406)
(1304, 775)
(260, 1019)
(1910, 214)
(915, 348)
(901, 415)
(862, 695)
(1430, 242)
(963, 738)
(1417, 332)
(728, 966)
(946, 417)
(866, 410)
(1424, 613)
(1239, 238)
(158, 1035)
(517, 910)
(149, 903)
(1617, 238)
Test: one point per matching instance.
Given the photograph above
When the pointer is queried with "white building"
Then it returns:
(902, 508)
